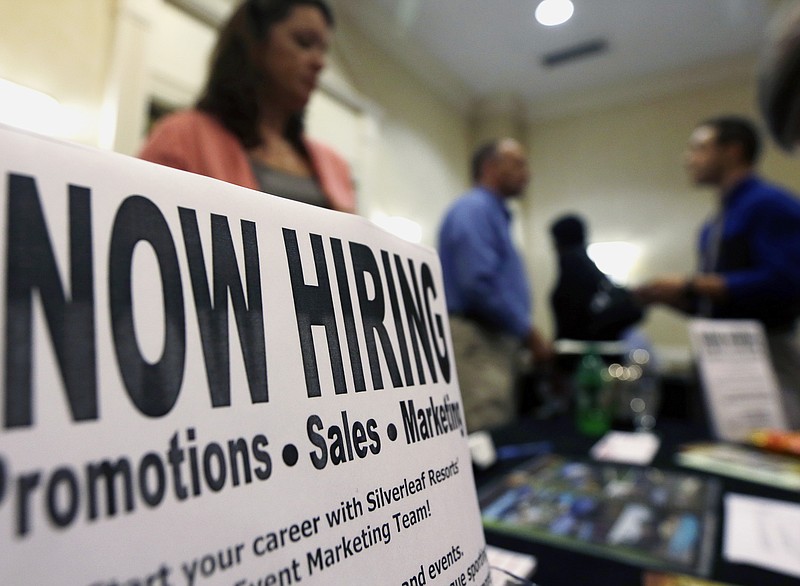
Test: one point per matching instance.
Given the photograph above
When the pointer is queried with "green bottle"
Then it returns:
(592, 409)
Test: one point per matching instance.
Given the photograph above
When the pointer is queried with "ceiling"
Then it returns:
(469, 50)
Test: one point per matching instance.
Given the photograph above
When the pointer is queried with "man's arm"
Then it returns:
(681, 292)
(540, 347)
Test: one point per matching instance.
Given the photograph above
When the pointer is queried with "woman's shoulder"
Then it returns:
(195, 141)
(320, 150)
(189, 122)
(179, 138)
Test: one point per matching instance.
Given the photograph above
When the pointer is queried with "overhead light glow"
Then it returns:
(554, 12)
(399, 226)
(616, 259)
(30, 109)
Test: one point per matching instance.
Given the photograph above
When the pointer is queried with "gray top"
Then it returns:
(294, 187)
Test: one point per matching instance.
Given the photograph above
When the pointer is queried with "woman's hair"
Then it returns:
(235, 79)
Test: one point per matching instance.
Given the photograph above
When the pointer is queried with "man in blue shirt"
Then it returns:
(488, 295)
(749, 253)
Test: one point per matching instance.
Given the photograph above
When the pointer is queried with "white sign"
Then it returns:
(762, 532)
(203, 384)
(740, 386)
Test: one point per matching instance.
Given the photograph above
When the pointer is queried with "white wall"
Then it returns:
(177, 54)
(419, 145)
(61, 48)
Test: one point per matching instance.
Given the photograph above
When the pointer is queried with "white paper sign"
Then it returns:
(203, 384)
(762, 532)
(627, 447)
(740, 386)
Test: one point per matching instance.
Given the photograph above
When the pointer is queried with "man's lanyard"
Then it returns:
(710, 257)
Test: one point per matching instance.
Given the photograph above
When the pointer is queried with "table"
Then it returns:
(557, 566)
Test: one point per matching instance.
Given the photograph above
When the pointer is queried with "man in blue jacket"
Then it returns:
(749, 252)
(488, 294)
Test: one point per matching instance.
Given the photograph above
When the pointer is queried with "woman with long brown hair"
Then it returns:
(247, 126)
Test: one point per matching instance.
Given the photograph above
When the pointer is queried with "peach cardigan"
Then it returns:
(195, 141)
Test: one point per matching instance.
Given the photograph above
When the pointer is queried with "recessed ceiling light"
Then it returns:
(554, 12)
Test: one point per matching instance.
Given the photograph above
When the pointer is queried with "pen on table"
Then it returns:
(512, 451)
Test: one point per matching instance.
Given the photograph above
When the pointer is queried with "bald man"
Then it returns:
(488, 294)
(749, 252)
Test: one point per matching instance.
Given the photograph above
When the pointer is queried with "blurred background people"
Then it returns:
(587, 308)
(586, 304)
(247, 126)
(749, 252)
(488, 294)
